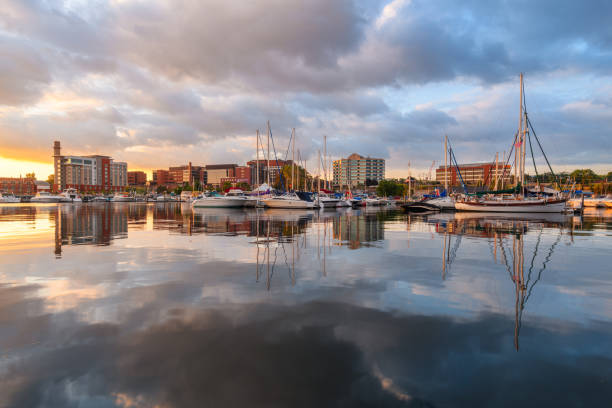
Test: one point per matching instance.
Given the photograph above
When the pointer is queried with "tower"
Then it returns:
(58, 180)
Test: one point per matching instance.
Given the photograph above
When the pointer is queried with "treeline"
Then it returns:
(581, 176)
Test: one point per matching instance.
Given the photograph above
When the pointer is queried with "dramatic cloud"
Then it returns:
(193, 79)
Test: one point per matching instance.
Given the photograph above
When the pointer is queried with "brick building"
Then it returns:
(474, 173)
(137, 178)
(18, 185)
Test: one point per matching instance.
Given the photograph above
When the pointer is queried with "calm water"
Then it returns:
(138, 305)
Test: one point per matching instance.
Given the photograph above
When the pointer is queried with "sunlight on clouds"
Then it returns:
(390, 12)
(16, 168)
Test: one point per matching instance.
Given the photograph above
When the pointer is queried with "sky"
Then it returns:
(158, 83)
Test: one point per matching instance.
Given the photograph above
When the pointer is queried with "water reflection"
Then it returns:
(159, 305)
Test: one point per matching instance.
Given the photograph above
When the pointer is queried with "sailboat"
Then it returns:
(289, 199)
(517, 202)
(444, 202)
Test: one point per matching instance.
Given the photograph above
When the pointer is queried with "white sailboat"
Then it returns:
(517, 203)
(446, 202)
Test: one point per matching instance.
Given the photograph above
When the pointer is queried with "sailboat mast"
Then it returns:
(292, 158)
(446, 164)
(325, 161)
(257, 159)
(496, 169)
(518, 154)
(319, 172)
(269, 154)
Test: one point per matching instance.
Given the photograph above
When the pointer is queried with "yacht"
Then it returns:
(70, 195)
(326, 201)
(289, 200)
(215, 199)
(9, 198)
(45, 197)
(122, 198)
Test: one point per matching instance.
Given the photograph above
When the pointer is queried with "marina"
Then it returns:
(364, 292)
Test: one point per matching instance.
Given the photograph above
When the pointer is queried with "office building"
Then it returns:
(216, 172)
(357, 170)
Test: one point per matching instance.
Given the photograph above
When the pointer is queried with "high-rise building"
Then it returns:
(93, 173)
(474, 173)
(357, 169)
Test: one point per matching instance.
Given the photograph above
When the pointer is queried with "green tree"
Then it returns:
(584, 176)
(161, 189)
(388, 188)
(226, 185)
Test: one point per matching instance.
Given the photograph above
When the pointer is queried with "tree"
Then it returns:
(31, 175)
(243, 186)
(609, 176)
(390, 188)
(51, 179)
(371, 182)
(226, 186)
(584, 176)
(161, 189)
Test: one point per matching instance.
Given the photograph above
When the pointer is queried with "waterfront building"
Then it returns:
(188, 173)
(93, 173)
(357, 169)
(19, 186)
(474, 173)
(137, 178)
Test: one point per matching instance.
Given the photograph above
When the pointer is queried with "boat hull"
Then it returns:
(218, 202)
(45, 199)
(295, 204)
(514, 206)
(442, 203)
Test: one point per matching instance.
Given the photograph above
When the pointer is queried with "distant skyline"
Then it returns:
(160, 83)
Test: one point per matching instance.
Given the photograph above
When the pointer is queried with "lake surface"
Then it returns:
(142, 305)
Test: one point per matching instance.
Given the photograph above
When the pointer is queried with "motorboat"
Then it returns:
(70, 195)
(121, 198)
(326, 201)
(289, 200)
(9, 198)
(214, 199)
(45, 197)
(99, 199)
(250, 202)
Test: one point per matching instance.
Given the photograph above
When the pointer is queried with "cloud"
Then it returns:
(205, 75)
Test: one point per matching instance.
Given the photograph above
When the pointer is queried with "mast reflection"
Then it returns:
(506, 234)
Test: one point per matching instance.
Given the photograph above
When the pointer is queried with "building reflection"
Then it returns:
(357, 229)
(89, 225)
